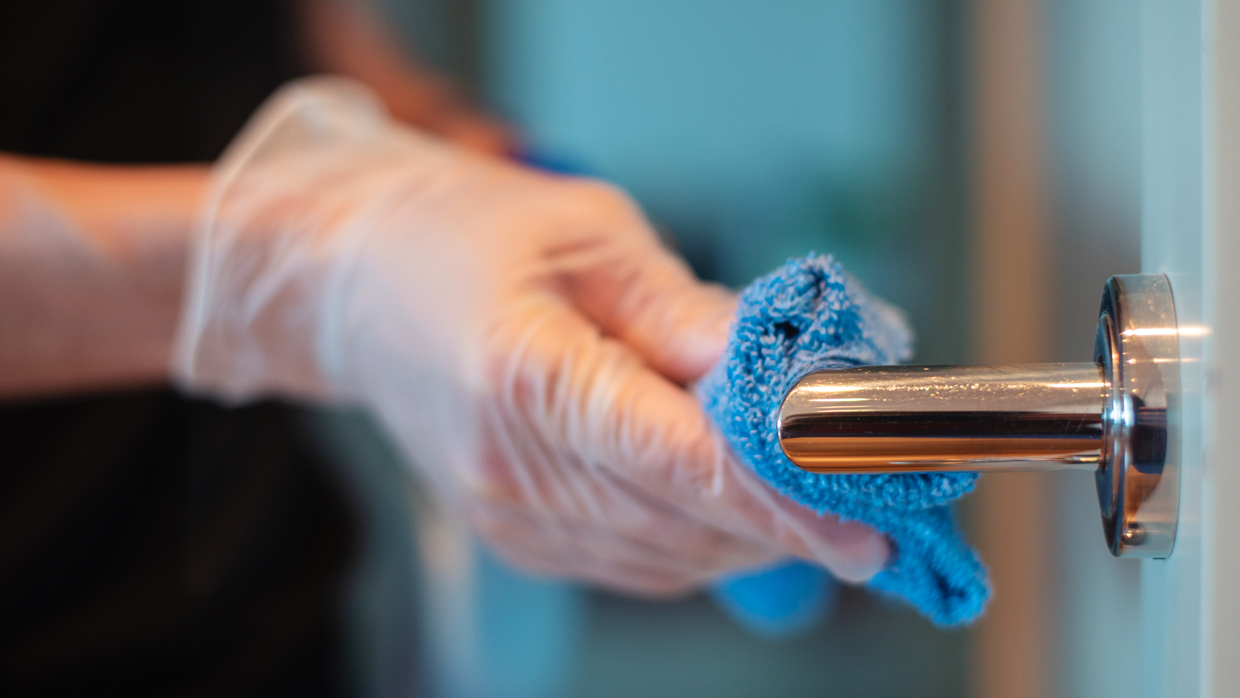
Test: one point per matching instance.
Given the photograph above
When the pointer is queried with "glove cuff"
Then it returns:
(290, 204)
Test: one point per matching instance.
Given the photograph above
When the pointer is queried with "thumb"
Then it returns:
(649, 299)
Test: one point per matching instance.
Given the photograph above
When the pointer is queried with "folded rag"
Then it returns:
(807, 316)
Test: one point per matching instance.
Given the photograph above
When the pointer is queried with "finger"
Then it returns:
(595, 554)
(564, 493)
(533, 457)
(655, 305)
(854, 551)
(588, 396)
(668, 445)
(624, 279)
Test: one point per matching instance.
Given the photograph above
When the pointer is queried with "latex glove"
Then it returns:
(524, 337)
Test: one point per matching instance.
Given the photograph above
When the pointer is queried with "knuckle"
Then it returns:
(601, 197)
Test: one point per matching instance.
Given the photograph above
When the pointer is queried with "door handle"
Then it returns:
(1117, 416)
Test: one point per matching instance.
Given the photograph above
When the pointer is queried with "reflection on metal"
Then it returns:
(1139, 477)
(904, 418)
(1116, 416)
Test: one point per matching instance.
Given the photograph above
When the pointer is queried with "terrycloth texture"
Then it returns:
(810, 315)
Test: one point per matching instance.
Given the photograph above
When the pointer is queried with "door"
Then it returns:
(1190, 109)
(1094, 626)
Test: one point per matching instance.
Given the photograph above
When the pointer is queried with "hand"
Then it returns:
(525, 338)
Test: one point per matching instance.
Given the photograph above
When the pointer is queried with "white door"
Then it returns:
(1189, 610)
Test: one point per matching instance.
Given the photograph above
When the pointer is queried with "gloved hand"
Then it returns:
(524, 337)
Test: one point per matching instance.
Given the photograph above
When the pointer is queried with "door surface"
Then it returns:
(1190, 67)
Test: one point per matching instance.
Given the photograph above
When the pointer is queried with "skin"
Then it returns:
(92, 257)
(93, 262)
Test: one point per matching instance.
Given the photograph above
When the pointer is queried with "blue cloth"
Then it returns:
(782, 601)
(776, 602)
(787, 599)
(810, 315)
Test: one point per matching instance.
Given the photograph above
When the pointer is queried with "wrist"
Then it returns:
(290, 207)
(93, 266)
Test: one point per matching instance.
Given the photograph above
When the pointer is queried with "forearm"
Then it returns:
(92, 264)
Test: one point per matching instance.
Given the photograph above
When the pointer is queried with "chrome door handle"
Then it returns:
(1117, 416)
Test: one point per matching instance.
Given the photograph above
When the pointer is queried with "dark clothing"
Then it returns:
(150, 544)
(137, 81)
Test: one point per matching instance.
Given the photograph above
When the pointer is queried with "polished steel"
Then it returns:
(1115, 416)
(1138, 345)
(917, 418)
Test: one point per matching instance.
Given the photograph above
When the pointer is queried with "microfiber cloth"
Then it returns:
(807, 316)
(783, 600)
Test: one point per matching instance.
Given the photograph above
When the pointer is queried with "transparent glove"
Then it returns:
(523, 337)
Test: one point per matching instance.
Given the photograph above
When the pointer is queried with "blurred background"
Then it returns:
(976, 162)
